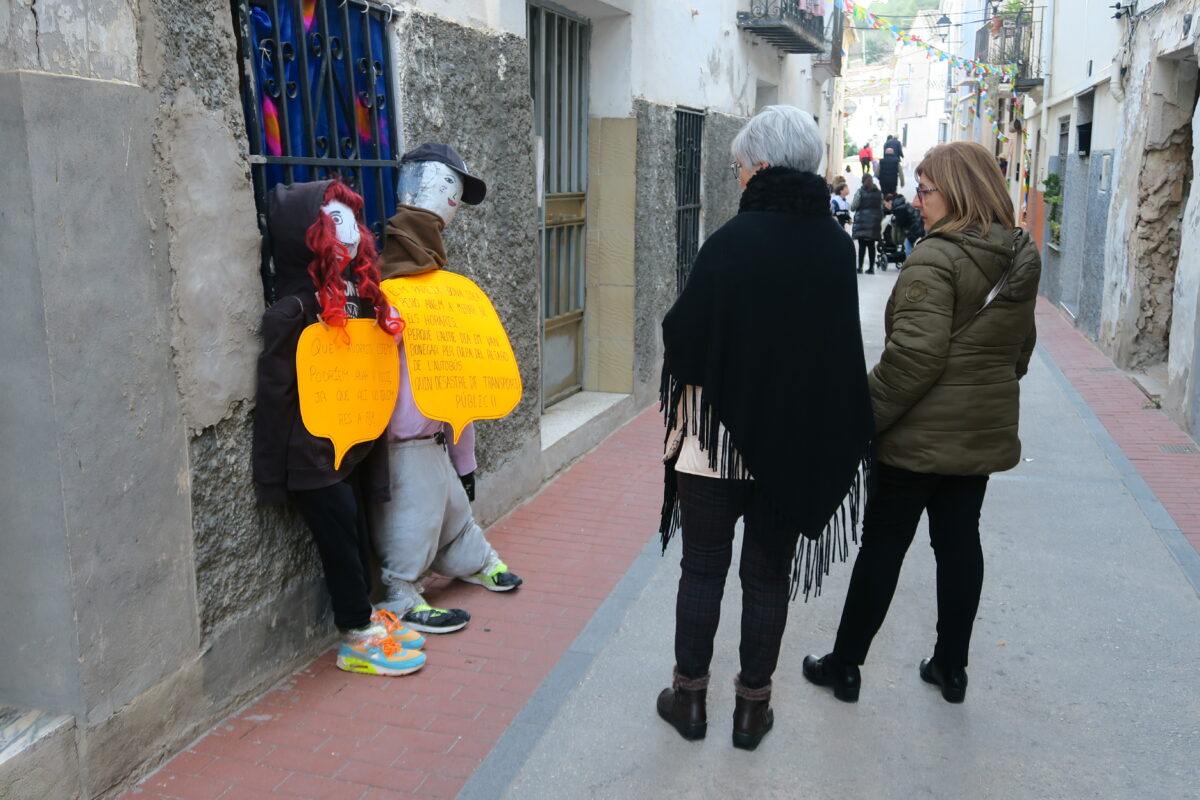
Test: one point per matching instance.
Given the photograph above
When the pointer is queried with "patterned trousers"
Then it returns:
(710, 507)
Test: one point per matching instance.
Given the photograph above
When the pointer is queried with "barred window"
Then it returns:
(689, 132)
(317, 92)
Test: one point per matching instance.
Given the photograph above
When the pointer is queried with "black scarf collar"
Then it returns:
(783, 190)
(768, 327)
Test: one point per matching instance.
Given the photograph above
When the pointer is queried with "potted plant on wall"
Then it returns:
(1052, 195)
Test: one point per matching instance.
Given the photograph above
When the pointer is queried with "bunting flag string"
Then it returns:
(987, 112)
(977, 68)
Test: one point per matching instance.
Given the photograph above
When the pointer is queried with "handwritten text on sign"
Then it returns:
(348, 386)
(460, 363)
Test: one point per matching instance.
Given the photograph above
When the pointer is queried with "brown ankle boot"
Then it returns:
(752, 715)
(683, 705)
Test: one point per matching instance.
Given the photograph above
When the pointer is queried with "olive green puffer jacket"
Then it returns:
(950, 405)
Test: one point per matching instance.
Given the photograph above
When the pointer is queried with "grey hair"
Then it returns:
(782, 136)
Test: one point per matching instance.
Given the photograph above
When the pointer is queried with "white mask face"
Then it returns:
(347, 225)
(433, 186)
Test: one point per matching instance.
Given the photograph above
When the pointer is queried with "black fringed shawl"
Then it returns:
(768, 327)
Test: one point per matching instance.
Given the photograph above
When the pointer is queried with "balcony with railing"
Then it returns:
(1014, 36)
(790, 26)
(829, 60)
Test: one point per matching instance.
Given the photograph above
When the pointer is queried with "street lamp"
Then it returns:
(943, 27)
(880, 122)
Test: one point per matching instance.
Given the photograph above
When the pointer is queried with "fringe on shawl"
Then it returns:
(814, 556)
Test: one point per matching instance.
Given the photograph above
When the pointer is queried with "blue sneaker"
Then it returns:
(406, 637)
(372, 651)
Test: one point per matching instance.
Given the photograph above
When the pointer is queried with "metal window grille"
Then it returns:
(317, 93)
(689, 131)
(558, 46)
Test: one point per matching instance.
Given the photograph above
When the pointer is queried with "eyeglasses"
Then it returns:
(922, 191)
(736, 167)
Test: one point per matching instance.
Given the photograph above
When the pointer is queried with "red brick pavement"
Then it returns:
(324, 733)
(1136, 426)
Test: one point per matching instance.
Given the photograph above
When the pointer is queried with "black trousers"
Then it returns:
(892, 514)
(710, 507)
(866, 165)
(866, 246)
(337, 518)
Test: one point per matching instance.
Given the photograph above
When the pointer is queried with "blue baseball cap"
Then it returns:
(474, 189)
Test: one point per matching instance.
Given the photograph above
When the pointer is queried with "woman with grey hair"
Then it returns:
(767, 412)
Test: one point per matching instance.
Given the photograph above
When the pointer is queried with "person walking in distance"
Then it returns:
(779, 444)
(868, 221)
(898, 149)
(865, 157)
(960, 331)
(889, 171)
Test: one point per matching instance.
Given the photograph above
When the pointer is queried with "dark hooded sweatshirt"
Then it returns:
(286, 456)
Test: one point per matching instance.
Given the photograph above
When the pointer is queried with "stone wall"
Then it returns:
(470, 88)
(721, 191)
(1098, 188)
(654, 241)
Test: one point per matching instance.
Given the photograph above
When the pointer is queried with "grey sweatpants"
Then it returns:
(428, 525)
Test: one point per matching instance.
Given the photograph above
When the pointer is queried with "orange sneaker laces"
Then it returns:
(388, 619)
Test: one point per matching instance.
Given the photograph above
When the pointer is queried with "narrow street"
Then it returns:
(1082, 666)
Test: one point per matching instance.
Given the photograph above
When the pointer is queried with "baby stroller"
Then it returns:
(891, 247)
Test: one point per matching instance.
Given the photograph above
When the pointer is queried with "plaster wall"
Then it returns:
(1087, 32)
(1153, 114)
(111, 436)
(693, 54)
(38, 649)
(86, 38)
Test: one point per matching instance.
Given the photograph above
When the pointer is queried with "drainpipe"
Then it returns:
(1047, 51)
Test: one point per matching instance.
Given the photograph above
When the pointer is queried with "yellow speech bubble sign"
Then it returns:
(460, 362)
(348, 380)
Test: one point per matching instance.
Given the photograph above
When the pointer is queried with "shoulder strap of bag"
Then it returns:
(992, 295)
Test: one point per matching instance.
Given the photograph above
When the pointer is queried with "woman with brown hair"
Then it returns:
(960, 331)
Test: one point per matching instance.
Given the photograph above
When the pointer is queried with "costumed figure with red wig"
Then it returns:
(325, 274)
(428, 526)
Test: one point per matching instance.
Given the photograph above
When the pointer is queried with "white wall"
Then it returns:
(672, 53)
(501, 15)
(1084, 31)
(693, 54)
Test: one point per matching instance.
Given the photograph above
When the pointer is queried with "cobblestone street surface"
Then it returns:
(1083, 664)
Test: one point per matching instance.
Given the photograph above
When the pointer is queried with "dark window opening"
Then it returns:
(1083, 137)
(689, 130)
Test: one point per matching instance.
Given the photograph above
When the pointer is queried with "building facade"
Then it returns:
(1112, 126)
(148, 594)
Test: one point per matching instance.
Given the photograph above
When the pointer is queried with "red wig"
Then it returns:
(331, 259)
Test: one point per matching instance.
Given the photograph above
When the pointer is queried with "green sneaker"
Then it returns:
(497, 579)
(435, 620)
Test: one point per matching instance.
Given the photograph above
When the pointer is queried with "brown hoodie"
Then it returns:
(412, 243)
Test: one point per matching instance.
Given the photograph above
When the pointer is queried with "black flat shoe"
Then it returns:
(753, 717)
(846, 679)
(683, 705)
(952, 680)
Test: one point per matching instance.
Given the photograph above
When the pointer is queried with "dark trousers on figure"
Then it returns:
(892, 514)
(337, 518)
(866, 246)
(710, 507)
(866, 165)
